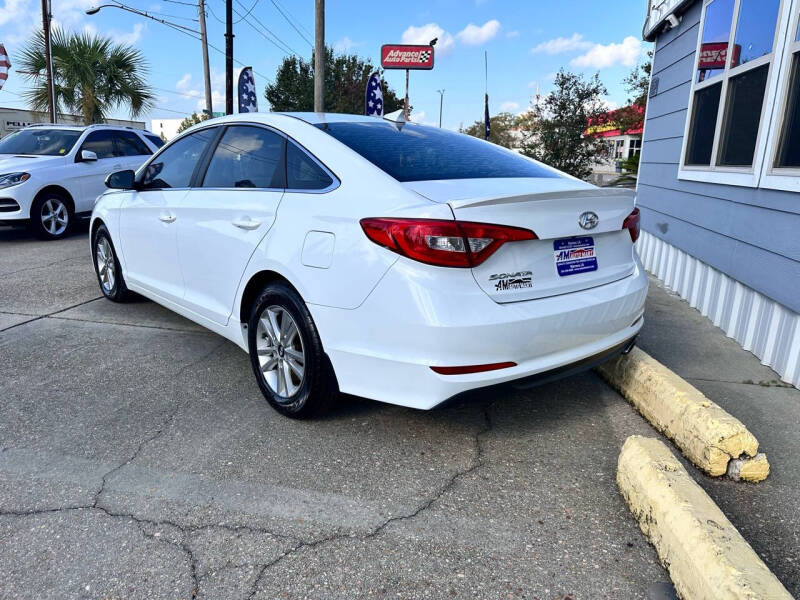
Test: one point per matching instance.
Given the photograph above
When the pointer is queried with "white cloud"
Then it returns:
(425, 33)
(130, 38)
(473, 35)
(560, 45)
(512, 34)
(601, 56)
(509, 106)
(345, 45)
(24, 18)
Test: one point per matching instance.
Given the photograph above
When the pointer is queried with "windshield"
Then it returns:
(412, 152)
(49, 142)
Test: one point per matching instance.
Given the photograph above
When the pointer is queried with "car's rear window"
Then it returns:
(410, 152)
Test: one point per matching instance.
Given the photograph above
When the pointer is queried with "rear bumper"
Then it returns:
(384, 348)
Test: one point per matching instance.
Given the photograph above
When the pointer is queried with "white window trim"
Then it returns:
(772, 177)
(738, 176)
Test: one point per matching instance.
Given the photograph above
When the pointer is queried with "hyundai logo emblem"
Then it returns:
(588, 220)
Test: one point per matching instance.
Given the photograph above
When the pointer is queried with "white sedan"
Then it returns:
(384, 259)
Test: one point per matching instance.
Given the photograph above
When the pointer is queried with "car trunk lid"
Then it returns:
(566, 257)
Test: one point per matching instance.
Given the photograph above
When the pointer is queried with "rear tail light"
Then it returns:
(633, 224)
(442, 243)
(472, 368)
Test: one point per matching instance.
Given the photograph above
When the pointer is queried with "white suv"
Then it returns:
(51, 175)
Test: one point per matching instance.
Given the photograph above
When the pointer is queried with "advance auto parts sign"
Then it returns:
(405, 56)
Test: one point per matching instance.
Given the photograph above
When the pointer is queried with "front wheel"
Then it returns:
(286, 353)
(107, 268)
(50, 216)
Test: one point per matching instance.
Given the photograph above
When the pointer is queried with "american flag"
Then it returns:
(247, 91)
(5, 65)
(374, 101)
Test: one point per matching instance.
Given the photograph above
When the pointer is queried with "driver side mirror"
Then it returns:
(121, 180)
(88, 156)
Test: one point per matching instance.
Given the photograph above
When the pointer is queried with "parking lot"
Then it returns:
(138, 459)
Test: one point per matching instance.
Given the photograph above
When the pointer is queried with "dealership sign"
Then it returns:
(715, 56)
(406, 56)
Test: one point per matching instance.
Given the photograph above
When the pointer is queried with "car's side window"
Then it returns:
(101, 143)
(175, 165)
(247, 157)
(157, 141)
(130, 144)
(303, 172)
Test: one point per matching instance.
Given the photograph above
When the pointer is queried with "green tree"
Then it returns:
(637, 84)
(192, 120)
(500, 130)
(346, 79)
(92, 75)
(554, 127)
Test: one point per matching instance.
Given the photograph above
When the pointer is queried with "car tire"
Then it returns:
(107, 268)
(51, 216)
(283, 340)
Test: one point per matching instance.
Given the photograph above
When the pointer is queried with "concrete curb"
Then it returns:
(706, 434)
(704, 553)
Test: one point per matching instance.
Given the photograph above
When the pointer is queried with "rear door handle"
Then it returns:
(247, 223)
(167, 218)
(117, 167)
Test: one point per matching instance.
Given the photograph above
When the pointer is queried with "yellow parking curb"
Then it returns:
(704, 553)
(707, 435)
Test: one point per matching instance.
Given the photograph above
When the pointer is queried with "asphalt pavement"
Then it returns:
(138, 459)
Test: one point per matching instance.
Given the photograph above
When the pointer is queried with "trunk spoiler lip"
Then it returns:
(551, 195)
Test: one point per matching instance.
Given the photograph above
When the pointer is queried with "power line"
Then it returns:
(277, 42)
(303, 27)
(243, 17)
(193, 5)
(283, 14)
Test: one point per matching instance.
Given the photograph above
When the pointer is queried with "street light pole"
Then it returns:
(201, 10)
(441, 101)
(319, 56)
(228, 57)
(48, 58)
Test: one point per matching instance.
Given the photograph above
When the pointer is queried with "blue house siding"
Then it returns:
(749, 234)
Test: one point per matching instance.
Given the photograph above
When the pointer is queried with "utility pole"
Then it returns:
(201, 10)
(441, 101)
(228, 57)
(48, 57)
(319, 55)
(405, 102)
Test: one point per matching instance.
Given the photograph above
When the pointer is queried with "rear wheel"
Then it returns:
(107, 268)
(286, 353)
(51, 216)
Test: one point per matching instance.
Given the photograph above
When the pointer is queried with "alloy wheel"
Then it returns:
(55, 216)
(280, 350)
(106, 268)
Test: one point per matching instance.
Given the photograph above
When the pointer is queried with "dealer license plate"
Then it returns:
(575, 255)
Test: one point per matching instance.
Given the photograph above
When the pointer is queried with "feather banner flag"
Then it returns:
(373, 104)
(247, 91)
(5, 65)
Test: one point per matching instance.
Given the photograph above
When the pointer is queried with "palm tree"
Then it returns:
(92, 75)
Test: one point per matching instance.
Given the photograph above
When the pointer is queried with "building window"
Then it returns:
(635, 147)
(736, 56)
(788, 155)
(619, 149)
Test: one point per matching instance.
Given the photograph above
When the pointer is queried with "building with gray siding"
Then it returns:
(719, 180)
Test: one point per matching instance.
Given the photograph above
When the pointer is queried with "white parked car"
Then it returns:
(388, 260)
(51, 175)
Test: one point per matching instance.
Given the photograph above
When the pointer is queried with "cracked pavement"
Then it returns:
(138, 459)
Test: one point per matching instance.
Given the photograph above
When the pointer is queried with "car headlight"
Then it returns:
(9, 179)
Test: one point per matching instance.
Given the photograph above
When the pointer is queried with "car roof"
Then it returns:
(96, 126)
(273, 117)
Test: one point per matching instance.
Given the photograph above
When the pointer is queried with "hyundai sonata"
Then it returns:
(384, 259)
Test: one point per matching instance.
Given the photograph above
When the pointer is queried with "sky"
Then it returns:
(527, 42)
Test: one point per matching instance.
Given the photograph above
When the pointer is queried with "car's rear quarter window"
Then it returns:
(410, 152)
